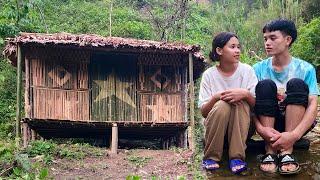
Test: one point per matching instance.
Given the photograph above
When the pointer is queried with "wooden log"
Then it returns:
(191, 93)
(114, 139)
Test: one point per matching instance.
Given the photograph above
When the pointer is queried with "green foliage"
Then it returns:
(6, 152)
(138, 161)
(133, 177)
(307, 46)
(40, 147)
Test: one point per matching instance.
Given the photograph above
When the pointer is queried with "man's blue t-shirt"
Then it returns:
(296, 69)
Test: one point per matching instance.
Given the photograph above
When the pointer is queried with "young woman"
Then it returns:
(226, 96)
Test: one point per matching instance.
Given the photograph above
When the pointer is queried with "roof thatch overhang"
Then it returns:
(96, 42)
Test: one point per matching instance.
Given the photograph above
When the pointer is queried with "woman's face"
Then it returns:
(230, 52)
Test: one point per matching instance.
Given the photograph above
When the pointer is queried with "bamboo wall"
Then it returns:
(80, 86)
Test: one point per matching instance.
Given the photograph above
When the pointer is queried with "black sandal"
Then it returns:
(269, 159)
(288, 159)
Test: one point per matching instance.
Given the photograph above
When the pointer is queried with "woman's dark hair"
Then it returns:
(220, 40)
(285, 26)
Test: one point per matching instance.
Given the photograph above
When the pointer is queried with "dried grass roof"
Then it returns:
(96, 41)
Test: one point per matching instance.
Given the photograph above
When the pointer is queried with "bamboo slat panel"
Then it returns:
(60, 104)
(161, 78)
(113, 88)
(161, 108)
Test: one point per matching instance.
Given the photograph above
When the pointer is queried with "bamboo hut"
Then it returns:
(87, 85)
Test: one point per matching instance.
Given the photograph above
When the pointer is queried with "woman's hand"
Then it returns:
(234, 96)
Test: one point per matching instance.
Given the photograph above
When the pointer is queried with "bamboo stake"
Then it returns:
(191, 131)
(18, 106)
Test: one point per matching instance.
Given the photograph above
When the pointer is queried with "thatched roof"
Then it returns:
(96, 41)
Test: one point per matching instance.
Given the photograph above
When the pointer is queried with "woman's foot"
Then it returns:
(210, 164)
(237, 166)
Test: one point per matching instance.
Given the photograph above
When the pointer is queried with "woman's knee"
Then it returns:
(221, 108)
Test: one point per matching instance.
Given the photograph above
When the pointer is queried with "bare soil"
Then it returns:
(164, 164)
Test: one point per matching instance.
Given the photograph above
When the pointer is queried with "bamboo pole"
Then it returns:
(18, 105)
(191, 93)
(114, 139)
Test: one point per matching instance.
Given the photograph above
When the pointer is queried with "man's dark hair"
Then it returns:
(220, 40)
(287, 27)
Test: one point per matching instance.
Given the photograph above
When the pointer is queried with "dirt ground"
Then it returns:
(164, 164)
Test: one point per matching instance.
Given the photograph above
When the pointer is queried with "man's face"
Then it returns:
(276, 42)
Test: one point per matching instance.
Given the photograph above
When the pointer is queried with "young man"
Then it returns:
(286, 98)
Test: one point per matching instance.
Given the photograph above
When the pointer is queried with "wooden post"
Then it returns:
(27, 89)
(191, 94)
(33, 135)
(25, 134)
(18, 104)
(114, 139)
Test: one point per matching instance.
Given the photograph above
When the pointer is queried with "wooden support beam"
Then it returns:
(114, 139)
(191, 94)
(18, 103)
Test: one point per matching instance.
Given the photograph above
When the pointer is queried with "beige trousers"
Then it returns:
(231, 119)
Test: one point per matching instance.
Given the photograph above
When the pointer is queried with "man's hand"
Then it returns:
(285, 141)
(269, 134)
(234, 95)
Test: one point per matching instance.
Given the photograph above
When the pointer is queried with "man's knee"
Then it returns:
(266, 89)
(266, 98)
(297, 92)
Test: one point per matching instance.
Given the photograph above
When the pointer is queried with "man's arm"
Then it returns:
(308, 118)
(287, 139)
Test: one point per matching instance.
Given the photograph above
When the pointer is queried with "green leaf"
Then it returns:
(43, 173)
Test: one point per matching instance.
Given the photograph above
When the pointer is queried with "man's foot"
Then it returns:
(269, 163)
(288, 164)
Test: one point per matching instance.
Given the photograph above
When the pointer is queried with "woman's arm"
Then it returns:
(206, 108)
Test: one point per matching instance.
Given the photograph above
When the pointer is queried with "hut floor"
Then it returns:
(50, 128)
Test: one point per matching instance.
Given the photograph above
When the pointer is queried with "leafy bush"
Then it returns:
(307, 46)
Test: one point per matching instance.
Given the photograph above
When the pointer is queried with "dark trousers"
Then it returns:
(267, 103)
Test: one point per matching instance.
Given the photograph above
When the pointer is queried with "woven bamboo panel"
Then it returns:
(113, 88)
(161, 108)
(161, 78)
(60, 104)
